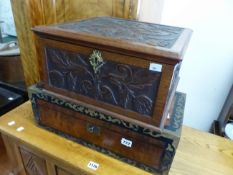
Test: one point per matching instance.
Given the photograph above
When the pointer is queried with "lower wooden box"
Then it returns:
(129, 142)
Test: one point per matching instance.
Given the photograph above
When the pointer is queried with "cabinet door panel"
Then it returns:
(33, 164)
(60, 171)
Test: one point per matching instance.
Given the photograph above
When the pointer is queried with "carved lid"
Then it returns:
(148, 38)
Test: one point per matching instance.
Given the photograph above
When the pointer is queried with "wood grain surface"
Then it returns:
(23, 25)
(5, 165)
(198, 152)
(9, 66)
(203, 153)
(107, 137)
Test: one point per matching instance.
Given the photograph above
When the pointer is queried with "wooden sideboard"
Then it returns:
(35, 151)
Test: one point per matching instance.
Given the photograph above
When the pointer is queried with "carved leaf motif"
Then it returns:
(60, 58)
(108, 94)
(143, 104)
(132, 79)
(128, 80)
(147, 80)
(127, 86)
(87, 86)
(133, 31)
(67, 62)
(125, 73)
(168, 157)
(72, 78)
(56, 78)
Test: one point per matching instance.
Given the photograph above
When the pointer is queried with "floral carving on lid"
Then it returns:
(127, 30)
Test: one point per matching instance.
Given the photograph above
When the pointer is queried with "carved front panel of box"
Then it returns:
(127, 86)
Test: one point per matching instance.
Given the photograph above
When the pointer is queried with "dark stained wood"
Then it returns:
(108, 137)
(171, 47)
(9, 65)
(87, 104)
(160, 97)
(147, 82)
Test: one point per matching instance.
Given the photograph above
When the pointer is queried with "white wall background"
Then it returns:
(7, 16)
(207, 69)
(150, 10)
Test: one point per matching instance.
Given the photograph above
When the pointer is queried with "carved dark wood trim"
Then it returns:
(129, 30)
(178, 112)
(36, 93)
(123, 85)
(86, 111)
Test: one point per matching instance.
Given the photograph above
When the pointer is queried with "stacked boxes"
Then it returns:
(110, 84)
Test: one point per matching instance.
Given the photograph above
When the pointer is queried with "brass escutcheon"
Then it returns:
(96, 60)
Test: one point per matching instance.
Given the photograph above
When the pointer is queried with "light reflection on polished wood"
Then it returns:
(198, 152)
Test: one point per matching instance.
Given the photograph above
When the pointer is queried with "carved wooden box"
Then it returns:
(124, 68)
